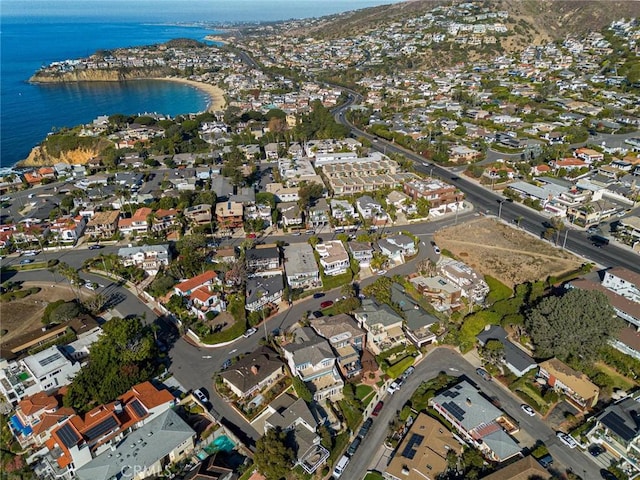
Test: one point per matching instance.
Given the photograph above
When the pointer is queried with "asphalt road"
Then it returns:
(491, 203)
(450, 362)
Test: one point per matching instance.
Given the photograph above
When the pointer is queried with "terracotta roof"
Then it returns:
(523, 469)
(197, 281)
(142, 213)
(166, 213)
(201, 293)
(570, 162)
(576, 381)
(50, 420)
(36, 402)
(148, 394)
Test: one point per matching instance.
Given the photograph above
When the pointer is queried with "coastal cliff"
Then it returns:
(41, 156)
(99, 75)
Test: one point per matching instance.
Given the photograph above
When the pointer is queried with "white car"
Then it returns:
(568, 440)
(528, 410)
(202, 398)
(250, 332)
(436, 249)
(90, 285)
(381, 272)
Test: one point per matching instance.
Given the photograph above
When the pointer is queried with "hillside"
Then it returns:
(539, 20)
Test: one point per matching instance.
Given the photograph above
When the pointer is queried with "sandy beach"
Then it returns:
(216, 94)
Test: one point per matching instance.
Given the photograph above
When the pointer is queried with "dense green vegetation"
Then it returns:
(273, 457)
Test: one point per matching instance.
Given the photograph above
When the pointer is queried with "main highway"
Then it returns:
(489, 202)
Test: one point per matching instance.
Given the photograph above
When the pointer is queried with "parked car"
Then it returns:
(318, 295)
(202, 398)
(95, 247)
(26, 261)
(90, 286)
(354, 446)
(366, 426)
(318, 314)
(250, 332)
(436, 249)
(340, 466)
(226, 364)
(528, 410)
(568, 440)
(326, 304)
(408, 372)
(546, 461)
(381, 272)
(393, 388)
(30, 253)
(378, 407)
(484, 374)
(596, 450)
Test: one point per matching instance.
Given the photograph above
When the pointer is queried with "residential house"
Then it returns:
(526, 468)
(397, 247)
(418, 322)
(342, 210)
(205, 279)
(103, 224)
(477, 420)
(164, 441)
(624, 282)
(554, 138)
(290, 214)
(300, 266)
(205, 299)
(577, 387)
(263, 292)
(151, 258)
(401, 202)
(253, 372)
(443, 294)
(346, 338)
(311, 358)
(371, 210)
(283, 194)
(462, 153)
(442, 197)
(199, 214)
(333, 257)
(318, 214)
(424, 451)
(44, 371)
(292, 415)
(165, 219)
(263, 258)
(513, 357)
(471, 284)
(225, 255)
(68, 228)
(229, 215)
(36, 416)
(362, 252)
(261, 212)
(588, 155)
(568, 164)
(138, 224)
(617, 429)
(382, 324)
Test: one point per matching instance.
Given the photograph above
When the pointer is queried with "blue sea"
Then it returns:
(36, 32)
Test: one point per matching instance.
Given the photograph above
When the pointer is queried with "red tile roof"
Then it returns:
(196, 282)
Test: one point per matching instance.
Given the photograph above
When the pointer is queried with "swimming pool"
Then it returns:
(220, 444)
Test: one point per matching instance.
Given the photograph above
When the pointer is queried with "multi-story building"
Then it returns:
(68, 228)
(441, 196)
(44, 371)
(164, 219)
(291, 215)
(347, 340)
(138, 224)
(229, 215)
(617, 429)
(371, 210)
(333, 257)
(318, 214)
(263, 292)
(253, 372)
(203, 280)
(477, 420)
(199, 214)
(103, 224)
(342, 210)
(263, 258)
(311, 358)
(443, 294)
(151, 258)
(382, 324)
(300, 265)
(471, 284)
(576, 386)
(362, 252)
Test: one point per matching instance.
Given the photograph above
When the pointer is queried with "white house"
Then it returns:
(333, 257)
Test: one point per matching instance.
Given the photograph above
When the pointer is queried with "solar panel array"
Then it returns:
(450, 394)
(455, 410)
(68, 435)
(138, 408)
(50, 359)
(415, 440)
(103, 427)
(618, 425)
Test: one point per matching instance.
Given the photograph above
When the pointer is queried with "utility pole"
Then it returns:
(500, 209)
(566, 232)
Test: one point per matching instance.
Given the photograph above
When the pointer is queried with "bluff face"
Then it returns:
(99, 75)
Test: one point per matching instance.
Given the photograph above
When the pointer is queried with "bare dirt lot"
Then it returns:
(508, 254)
(22, 316)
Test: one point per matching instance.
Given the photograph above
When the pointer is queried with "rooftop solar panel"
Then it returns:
(455, 410)
(409, 450)
(68, 435)
(138, 408)
(103, 427)
(50, 359)
(615, 423)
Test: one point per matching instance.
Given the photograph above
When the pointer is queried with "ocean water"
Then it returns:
(36, 32)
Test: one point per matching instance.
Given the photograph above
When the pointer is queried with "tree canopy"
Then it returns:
(273, 457)
(319, 123)
(122, 357)
(576, 324)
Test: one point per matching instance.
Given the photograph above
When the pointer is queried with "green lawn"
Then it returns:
(395, 370)
(351, 414)
(362, 391)
(373, 476)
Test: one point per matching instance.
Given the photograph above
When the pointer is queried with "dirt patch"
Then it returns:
(25, 315)
(508, 254)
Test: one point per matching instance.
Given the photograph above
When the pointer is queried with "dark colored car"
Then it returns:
(596, 450)
(326, 304)
(377, 409)
(95, 247)
(484, 374)
(354, 446)
(546, 461)
(318, 295)
(366, 426)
